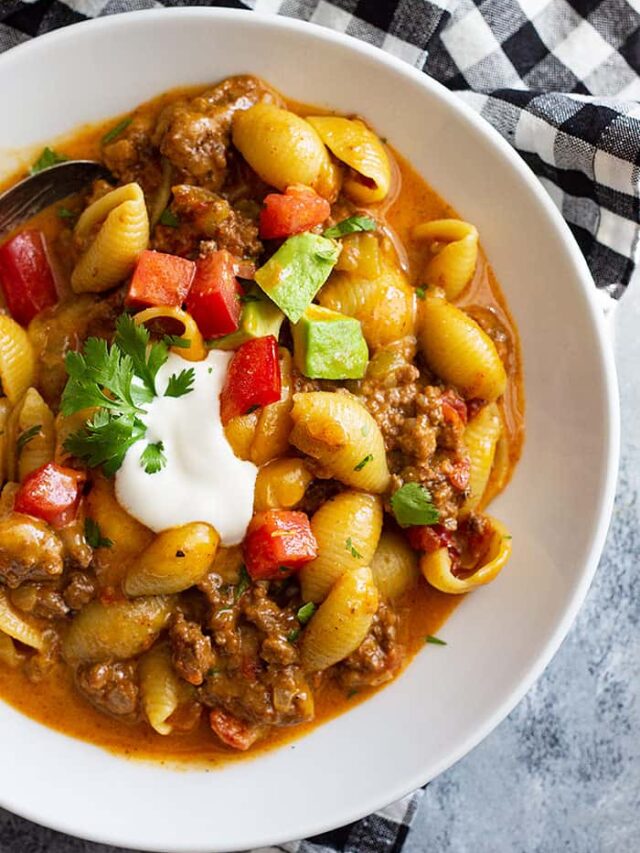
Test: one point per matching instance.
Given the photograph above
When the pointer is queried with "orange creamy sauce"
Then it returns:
(55, 701)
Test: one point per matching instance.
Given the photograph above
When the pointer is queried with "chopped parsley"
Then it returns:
(46, 160)
(169, 218)
(306, 612)
(350, 226)
(93, 535)
(115, 132)
(181, 383)
(153, 458)
(353, 692)
(249, 297)
(65, 213)
(27, 435)
(435, 641)
(421, 292)
(412, 505)
(292, 636)
(352, 550)
(368, 458)
(244, 582)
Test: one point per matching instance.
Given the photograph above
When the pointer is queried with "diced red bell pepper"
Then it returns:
(51, 493)
(278, 542)
(233, 732)
(299, 209)
(253, 378)
(26, 277)
(160, 279)
(429, 538)
(214, 299)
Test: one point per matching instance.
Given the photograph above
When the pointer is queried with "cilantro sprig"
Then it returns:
(117, 380)
(411, 504)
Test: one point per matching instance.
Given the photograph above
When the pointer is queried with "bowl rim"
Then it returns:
(547, 650)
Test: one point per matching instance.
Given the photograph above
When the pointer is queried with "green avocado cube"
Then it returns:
(296, 272)
(260, 317)
(329, 345)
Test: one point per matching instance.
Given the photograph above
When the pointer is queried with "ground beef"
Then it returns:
(79, 591)
(39, 600)
(111, 687)
(257, 679)
(190, 650)
(132, 156)
(208, 220)
(29, 550)
(317, 493)
(377, 658)
(194, 134)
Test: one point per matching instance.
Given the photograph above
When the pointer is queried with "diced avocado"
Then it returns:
(329, 345)
(297, 271)
(260, 317)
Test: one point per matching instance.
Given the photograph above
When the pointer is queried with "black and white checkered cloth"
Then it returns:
(559, 79)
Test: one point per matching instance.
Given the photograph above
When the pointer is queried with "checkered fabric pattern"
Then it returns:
(559, 79)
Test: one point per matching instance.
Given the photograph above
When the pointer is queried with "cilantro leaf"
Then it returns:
(350, 226)
(46, 160)
(95, 369)
(411, 505)
(153, 458)
(352, 550)
(368, 458)
(180, 383)
(133, 340)
(94, 536)
(421, 292)
(169, 218)
(306, 612)
(27, 435)
(105, 439)
(436, 641)
(115, 132)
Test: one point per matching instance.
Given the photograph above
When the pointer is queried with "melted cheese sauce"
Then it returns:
(202, 480)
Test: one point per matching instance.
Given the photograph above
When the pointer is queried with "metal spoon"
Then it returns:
(31, 195)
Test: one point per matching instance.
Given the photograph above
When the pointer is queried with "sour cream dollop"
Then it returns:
(203, 479)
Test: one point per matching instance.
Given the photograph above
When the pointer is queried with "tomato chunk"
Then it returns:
(51, 493)
(454, 408)
(278, 542)
(253, 378)
(214, 299)
(429, 538)
(160, 279)
(298, 209)
(26, 276)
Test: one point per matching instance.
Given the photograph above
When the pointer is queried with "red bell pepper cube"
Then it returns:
(26, 277)
(299, 209)
(160, 279)
(51, 493)
(278, 542)
(253, 378)
(214, 299)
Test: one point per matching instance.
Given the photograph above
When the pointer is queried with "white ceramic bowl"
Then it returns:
(558, 505)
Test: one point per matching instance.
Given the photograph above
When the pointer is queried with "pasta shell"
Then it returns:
(174, 561)
(17, 359)
(351, 141)
(337, 431)
(481, 437)
(240, 433)
(117, 631)
(122, 237)
(32, 413)
(347, 529)
(5, 450)
(459, 351)
(17, 627)
(383, 305)
(159, 687)
(453, 264)
(394, 566)
(195, 351)
(341, 622)
(280, 146)
(9, 655)
(436, 566)
(281, 484)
